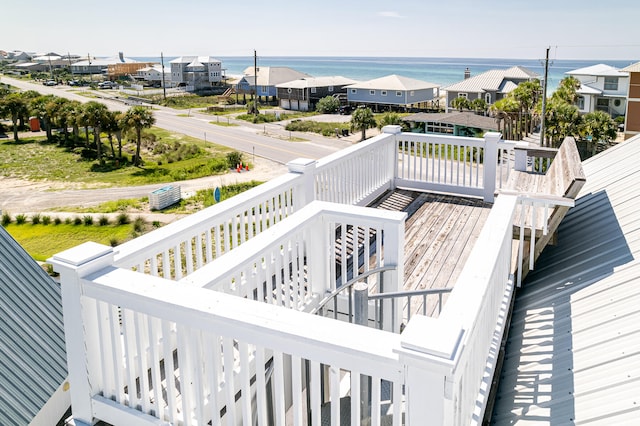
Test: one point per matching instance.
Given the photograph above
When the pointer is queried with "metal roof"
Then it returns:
(270, 76)
(190, 59)
(464, 118)
(394, 82)
(492, 80)
(632, 68)
(32, 348)
(303, 83)
(600, 70)
(573, 352)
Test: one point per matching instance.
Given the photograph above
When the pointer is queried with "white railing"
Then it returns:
(316, 250)
(182, 247)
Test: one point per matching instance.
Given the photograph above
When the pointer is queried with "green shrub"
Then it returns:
(156, 224)
(328, 105)
(21, 219)
(113, 242)
(77, 220)
(87, 220)
(103, 220)
(6, 219)
(35, 219)
(46, 220)
(123, 219)
(233, 159)
(139, 224)
(57, 221)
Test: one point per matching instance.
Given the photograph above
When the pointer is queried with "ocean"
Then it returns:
(442, 71)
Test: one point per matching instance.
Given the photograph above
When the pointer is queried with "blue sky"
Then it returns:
(574, 29)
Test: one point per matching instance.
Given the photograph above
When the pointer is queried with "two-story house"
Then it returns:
(303, 94)
(602, 88)
(196, 72)
(392, 91)
(490, 86)
(262, 81)
(153, 75)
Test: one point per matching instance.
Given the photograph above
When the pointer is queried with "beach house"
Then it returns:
(262, 81)
(373, 284)
(93, 65)
(196, 72)
(632, 117)
(602, 88)
(489, 86)
(394, 92)
(303, 94)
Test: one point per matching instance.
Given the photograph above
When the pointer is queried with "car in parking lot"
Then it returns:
(50, 83)
(107, 85)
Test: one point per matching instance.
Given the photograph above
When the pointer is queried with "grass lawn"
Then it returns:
(43, 241)
(167, 157)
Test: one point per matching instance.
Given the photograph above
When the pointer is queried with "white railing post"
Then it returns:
(520, 154)
(81, 346)
(305, 167)
(393, 168)
(428, 350)
(393, 280)
(490, 163)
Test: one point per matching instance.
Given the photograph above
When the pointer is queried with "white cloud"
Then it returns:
(390, 14)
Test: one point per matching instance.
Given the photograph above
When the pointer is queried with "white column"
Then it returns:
(305, 167)
(429, 349)
(490, 164)
(73, 265)
(393, 154)
(394, 280)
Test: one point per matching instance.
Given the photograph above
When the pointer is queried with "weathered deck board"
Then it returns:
(439, 235)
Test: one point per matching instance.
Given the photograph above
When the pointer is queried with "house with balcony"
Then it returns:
(262, 81)
(602, 88)
(303, 94)
(372, 285)
(196, 72)
(632, 117)
(154, 75)
(393, 92)
(489, 86)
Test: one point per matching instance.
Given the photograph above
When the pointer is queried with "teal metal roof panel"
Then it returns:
(32, 348)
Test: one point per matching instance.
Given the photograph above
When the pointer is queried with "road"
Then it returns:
(247, 137)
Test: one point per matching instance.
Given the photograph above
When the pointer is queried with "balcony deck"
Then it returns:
(440, 232)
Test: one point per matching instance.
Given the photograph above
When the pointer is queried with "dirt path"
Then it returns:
(21, 196)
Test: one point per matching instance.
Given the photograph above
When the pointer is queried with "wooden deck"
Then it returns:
(440, 232)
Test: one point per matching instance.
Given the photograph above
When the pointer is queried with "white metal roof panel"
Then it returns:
(395, 82)
(303, 83)
(601, 70)
(573, 353)
(32, 348)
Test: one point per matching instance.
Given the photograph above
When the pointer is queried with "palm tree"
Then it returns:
(460, 103)
(14, 106)
(527, 94)
(507, 109)
(41, 109)
(95, 116)
(362, 119)
(478, 105)
(567, 90)
(138, 118)
(60, 113)
(562, 120)
(111, 125)
(390, 119)
(599, 129)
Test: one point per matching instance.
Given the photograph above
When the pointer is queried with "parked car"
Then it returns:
(345, 110)
(107, 85)
(73, 83)
(50, 83)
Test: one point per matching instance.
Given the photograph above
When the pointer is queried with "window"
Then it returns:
(330, 88)
(313, 90)
(487, 98)
(580, 102)
(353, 91)
(602, 104)
(372, 92)
(383, 93)
(289, 90)
(399, 93)
(265, 89)
(611, 83)
(411, 93)
(463, 95)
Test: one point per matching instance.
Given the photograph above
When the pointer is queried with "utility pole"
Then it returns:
(544, 98)
(89, 67)
(164, 87)
(255, 82)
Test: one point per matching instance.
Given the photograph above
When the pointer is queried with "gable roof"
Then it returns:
(190, 59)
(303, 83)
(573, 353)
(271, 76)
(394, 82)
(33, 361)
(600, 70)
(492, 80)
(632, 68)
